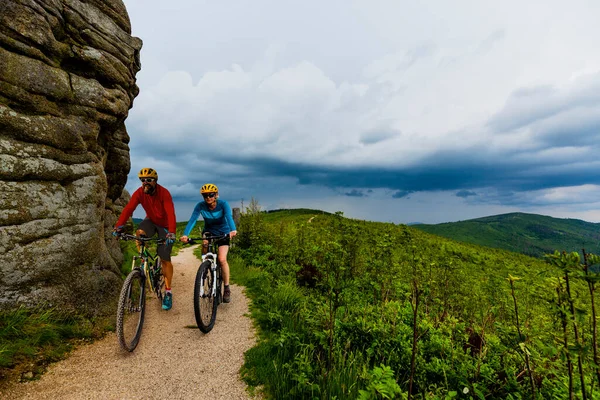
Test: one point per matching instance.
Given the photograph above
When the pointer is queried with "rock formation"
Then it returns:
(67, 82)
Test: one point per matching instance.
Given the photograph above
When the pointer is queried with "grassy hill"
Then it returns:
(530, 234)
(357, 309)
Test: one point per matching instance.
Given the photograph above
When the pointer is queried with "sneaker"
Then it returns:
(167, 301)
(226, 295)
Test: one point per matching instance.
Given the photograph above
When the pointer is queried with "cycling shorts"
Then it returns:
(221, 242)
(150, 229)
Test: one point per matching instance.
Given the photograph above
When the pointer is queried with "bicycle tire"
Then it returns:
(205, 305)
(219, 285)
(131, 310)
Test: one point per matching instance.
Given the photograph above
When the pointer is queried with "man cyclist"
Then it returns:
(218, 221)
(160, 219)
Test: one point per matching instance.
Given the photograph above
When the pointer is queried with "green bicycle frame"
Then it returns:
(145, 266)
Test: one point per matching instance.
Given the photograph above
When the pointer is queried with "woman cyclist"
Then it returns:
(218, 221)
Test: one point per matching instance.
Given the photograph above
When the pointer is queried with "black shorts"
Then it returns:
(221, 242)
(150, 229)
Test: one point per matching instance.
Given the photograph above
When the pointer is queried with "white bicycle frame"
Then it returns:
(213, 269)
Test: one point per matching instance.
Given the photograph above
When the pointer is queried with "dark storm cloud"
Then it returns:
(462, 171)
(442, 172)
(401, 194)
(553, 120)
(465, 193)
(355, 193)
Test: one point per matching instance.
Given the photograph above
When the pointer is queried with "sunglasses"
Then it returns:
(147, 180)
(209, 195)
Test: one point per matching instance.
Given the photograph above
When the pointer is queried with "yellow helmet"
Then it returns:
(148, 173)
(209, 188)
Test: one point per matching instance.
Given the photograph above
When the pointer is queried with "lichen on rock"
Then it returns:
(67, 82)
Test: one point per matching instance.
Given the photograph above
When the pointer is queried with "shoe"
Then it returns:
(167, 301)
(226, 295)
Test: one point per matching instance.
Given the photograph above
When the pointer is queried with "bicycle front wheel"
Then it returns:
(205, 305)
(219, 285)
(131, 310)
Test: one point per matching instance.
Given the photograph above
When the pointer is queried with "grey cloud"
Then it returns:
(226, 137)
(376, 136)
(355, 193)
(536, 199)
(401, 194)
(465, 193)
(443, 171)
(526, 106)
(572, 128)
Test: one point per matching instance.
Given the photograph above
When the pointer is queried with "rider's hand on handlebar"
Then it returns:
(117, 230)
(184, 239)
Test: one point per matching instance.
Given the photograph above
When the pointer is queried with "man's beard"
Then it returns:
(148, 189)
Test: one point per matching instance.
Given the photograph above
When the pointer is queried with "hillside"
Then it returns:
(352, 309)
(529, 234)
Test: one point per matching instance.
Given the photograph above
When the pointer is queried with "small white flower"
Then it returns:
(466, 390)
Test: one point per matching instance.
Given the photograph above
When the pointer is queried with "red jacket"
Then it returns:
(158, 206)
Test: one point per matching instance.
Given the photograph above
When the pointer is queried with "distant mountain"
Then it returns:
(530, 234)
(297, 211)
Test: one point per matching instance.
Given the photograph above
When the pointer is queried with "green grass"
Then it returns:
(370, 265)
(32, 338)
(361, 346)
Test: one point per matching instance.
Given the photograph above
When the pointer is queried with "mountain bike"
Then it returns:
(146, 270)
(208, 287)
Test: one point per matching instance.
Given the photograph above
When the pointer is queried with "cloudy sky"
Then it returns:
(401, 111)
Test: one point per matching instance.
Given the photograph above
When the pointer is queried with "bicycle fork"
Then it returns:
(213, 271)
(131, 306)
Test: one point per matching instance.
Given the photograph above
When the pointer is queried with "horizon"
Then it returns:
(140, 214)
(398, 112)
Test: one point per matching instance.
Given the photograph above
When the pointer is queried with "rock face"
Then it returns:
(67, 82)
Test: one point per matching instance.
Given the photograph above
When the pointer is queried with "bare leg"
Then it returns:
(139, 232)
(223, 261)
(167, 268)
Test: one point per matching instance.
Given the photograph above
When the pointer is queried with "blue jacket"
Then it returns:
(218, 221)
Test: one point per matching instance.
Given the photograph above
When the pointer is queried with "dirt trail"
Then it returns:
(172, 361)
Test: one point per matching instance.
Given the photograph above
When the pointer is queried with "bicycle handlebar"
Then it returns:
(126, 236)
(191, 240)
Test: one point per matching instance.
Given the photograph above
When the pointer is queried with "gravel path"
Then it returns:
(172, 360)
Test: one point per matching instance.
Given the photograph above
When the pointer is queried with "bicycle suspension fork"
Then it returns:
(213, 270)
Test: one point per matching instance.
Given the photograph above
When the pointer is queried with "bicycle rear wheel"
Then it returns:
(205, 305)
(131, 310)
